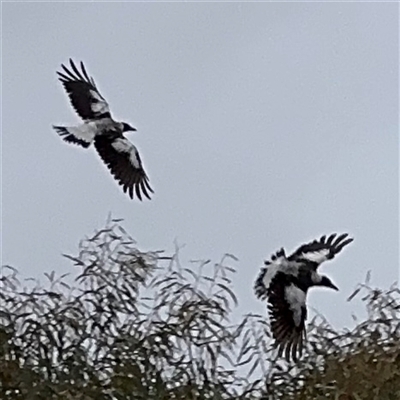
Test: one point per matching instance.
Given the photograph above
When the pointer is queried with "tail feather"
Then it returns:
(69, 137)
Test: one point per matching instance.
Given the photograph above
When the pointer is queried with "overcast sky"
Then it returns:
(259, 125)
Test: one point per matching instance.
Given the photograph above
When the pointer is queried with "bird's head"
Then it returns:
(325, 281)
(126, 127)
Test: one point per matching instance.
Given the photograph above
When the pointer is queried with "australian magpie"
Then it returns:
(117, 152)
(284, 282)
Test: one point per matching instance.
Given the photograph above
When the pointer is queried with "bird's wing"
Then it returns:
(277, 263)
(123, 161)
(320, 250)
(288, 312)
(83, 93)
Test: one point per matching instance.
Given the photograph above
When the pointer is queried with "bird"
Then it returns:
(284, 282)
(116, 151)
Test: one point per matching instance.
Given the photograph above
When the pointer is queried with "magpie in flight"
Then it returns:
(284, 282)
(117, 152)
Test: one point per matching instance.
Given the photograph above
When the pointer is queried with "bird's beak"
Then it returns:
(127, 127)
(332, 286)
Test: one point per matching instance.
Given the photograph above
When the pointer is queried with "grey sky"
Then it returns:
(260, 126)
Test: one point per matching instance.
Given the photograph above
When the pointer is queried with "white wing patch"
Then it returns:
(316, 256)
(125, 146)
(270, 272)
(85, 132)
(278, 263)
(134, 158)
(99, 106)
(122, 145)
(296, 299)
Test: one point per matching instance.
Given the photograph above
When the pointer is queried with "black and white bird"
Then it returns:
(284, 282)
(117, 152)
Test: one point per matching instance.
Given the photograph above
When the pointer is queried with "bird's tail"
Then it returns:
(69, 134)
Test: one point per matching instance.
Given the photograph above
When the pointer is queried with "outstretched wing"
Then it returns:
(123, 161)
(83, 93)
(287, 312)
(318, 251)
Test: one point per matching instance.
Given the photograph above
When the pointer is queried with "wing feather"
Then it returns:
(124, 163)
(318, 251)
(83, 93)
(288, 312)
(278, 262)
